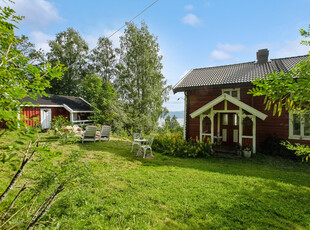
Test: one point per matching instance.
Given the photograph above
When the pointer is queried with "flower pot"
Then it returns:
(246, 153)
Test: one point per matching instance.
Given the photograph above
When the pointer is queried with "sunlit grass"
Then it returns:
(123, 191)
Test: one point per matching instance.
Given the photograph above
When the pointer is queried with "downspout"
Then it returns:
(185, 117)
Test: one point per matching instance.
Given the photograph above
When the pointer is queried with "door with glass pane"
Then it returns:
(229, 128)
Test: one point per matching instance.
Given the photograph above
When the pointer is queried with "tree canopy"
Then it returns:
(71, 50)
(140, 83)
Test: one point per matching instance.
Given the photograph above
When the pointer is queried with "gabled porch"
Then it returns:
(229, 121)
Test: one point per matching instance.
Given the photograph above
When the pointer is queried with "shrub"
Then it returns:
(174, 145)
(272, 146)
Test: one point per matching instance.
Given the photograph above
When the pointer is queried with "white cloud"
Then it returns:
(219, 55)
(224, 51)
(292, 48)
(191, 19)
(41, 40)
(189, 7)
(38, 13)
(230, 48)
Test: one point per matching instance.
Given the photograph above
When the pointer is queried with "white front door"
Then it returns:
(46, 118)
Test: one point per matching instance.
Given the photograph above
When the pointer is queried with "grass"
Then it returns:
(121, 191)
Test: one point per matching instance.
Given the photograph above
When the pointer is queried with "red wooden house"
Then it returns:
(44, 109)
(217, 105)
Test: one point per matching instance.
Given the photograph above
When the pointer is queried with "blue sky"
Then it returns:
(191, 33)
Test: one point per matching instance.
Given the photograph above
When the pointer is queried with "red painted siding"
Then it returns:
(32, 114)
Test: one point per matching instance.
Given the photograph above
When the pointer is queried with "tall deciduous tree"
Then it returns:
(103, 59)
(140, 83)
(71, 50)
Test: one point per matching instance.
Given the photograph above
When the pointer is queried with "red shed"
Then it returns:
(44, 109)
(217, 105)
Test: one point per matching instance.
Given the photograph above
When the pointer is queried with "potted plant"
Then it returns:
(238, 150)
(247, 151)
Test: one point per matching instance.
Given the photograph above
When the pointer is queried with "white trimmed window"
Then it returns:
(299, 127)
(232, 92)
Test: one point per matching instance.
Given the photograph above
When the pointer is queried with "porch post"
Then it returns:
(71, 117)
(218, 124)
(254, 133)
(240, 127)
(200, 128)
(212, 127)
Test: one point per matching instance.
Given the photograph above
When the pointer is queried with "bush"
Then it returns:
(174, 145)
(272, 146)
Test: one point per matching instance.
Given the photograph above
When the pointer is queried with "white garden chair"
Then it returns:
(89, 134)
(105, 132)
(148, 145)
(136, 140)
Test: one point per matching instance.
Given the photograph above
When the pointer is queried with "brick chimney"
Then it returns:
(262, 56)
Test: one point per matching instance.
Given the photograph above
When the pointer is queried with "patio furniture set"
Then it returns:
(90, 133)
(143, 144)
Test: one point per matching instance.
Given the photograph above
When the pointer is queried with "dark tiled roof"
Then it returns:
(74, 103)
(232, 74)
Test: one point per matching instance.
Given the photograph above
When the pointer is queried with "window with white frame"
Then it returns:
(232, 92)
(299, 127)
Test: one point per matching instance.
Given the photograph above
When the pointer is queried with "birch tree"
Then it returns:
(140, 83)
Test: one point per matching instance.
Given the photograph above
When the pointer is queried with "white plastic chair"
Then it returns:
(148, 145)
(89, 134)
(136, 137)
(105, 132)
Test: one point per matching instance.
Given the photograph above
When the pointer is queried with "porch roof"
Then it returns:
(234, 101)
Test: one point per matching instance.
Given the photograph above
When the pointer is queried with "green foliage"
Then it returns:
(59, 122)
(66, 136)
(140, 84)
(174, 145)
(305, 34)
(102, 96)
(18, 78)
(272, 145)
(302, 151)
(103, 60)
(71, 50)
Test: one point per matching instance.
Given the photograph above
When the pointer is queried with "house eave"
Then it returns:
(234, 101)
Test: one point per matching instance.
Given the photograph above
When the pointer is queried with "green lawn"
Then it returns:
(121, 191)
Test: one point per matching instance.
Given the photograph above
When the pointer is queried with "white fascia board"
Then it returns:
(246, 107)
(85, 101)
(77, 111)
(234, 101)
(35, 105)
(207, 106)
(68, 108)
